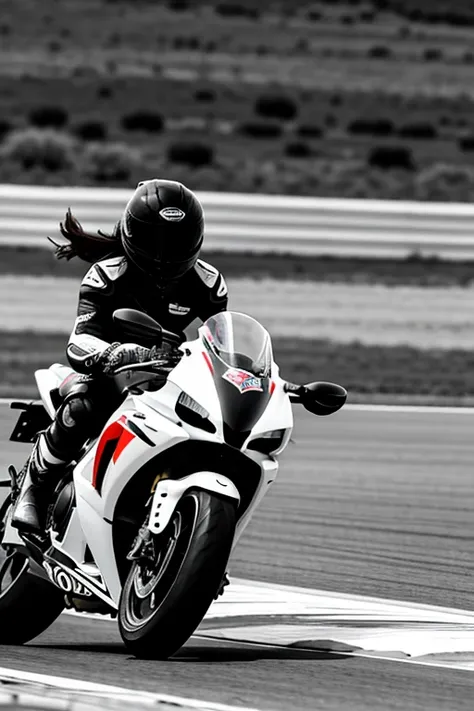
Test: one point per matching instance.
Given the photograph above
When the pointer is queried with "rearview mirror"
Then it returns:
(139, 326)
(322, 398)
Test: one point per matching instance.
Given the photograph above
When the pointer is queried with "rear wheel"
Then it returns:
(165, 597)
(28, 604)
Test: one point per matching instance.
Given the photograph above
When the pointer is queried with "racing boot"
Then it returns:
(38, 478)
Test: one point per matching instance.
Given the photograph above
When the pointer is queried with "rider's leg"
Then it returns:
(78, 418)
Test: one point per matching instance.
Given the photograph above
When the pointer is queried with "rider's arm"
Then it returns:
(91, 332)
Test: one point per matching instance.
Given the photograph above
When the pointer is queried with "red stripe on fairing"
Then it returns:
(208, 361)
(115, 431)
(272, 387)
(125, 438)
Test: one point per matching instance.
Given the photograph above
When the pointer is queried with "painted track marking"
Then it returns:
(90, 690)
(281, 616)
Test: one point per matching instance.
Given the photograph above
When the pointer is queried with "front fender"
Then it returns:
(169, 491)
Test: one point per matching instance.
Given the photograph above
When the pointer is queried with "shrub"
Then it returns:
(231, 9)
(205, 95)
(91, 131)
(261, 130)
(49, 117)
(5, 127)
(302, 46)
(298, 149)
(191, 153)
(389, 157)
(314, 15)
(147, 121)
(371, 127)
(306, 131)
(379, 52)
(54, 46)
(433, 54)
(418, 131)
(179, 5)
(466, 143)
(445, 182)
(104, 92)
(193, 43)
(44, 148)
(276, 107)
(110, 162)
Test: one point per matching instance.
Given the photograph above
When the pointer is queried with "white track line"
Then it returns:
(104, 691)
(421, 409)
(458, 666)
(282, 616)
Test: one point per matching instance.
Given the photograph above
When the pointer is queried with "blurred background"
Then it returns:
(336, 98)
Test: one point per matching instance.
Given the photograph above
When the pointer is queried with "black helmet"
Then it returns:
(162, 229)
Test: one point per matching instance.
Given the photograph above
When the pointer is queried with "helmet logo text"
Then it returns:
(172, 214)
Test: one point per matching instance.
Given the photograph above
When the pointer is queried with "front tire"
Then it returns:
(28, 604)
(162, 603)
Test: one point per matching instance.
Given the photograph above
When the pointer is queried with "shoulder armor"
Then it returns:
(105, 271)
(207, 273)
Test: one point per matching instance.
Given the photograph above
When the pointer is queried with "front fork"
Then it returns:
(166, 495)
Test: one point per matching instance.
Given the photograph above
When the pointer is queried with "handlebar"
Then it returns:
(141, 366)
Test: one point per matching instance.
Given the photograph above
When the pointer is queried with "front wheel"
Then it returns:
(28, 604)
(164, 599)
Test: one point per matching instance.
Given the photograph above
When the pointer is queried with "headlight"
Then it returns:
(191, 412)
(272, 442)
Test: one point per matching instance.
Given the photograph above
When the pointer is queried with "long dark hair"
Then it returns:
(88, 247)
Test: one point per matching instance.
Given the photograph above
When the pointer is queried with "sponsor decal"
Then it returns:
(178, 310)
(85, 317)
(172, 214)
(244, 382)
(88, 344)
(65, 581)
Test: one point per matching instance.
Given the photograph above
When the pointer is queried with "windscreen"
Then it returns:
(241, 357)
(239, 341)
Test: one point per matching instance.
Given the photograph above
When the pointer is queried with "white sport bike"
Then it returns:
(142, 525)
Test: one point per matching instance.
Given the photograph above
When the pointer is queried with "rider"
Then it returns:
(149, 263)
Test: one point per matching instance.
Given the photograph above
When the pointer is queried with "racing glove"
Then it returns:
(118, 355)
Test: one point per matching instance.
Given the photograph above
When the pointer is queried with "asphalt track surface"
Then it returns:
(372, 503)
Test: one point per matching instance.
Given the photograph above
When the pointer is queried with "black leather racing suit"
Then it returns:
(89, 399)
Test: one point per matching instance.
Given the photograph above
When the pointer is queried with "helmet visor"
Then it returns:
(159, 250)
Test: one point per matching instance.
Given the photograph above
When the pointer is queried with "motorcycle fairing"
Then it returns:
(155, 415)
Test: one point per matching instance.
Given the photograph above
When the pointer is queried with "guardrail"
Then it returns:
(259, 223)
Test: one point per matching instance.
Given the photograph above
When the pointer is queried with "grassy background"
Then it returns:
(364, 98)
(176, 87)
(412, 271)
(370, 372)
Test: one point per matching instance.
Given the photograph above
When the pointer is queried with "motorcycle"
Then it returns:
(142, 524)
